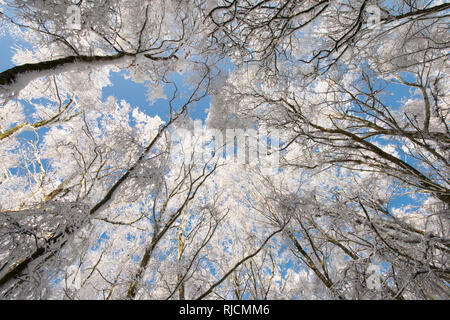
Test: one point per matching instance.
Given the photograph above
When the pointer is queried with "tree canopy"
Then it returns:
(320, 171)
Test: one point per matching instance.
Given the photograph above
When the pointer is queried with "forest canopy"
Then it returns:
(317, 169)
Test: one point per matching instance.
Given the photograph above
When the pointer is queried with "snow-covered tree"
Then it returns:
(100, 200)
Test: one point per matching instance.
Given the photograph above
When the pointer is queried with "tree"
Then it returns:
(99, 200)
